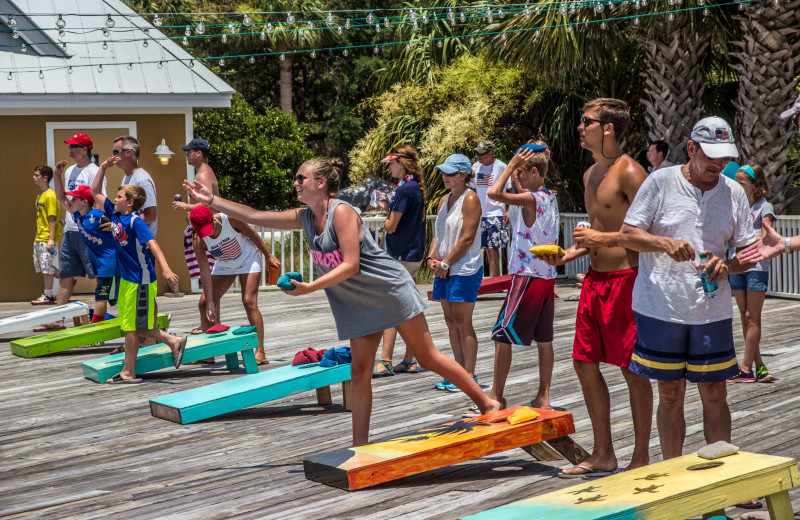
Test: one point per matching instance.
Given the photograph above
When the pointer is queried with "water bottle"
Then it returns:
(710, 289)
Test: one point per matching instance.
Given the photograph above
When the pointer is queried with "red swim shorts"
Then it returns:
(605, 328)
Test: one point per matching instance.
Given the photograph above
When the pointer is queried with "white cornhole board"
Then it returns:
(42, 316)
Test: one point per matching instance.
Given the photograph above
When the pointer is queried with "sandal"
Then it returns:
(402, 367)
(387, 364)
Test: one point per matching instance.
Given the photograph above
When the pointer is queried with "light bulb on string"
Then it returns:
(569, 29)
(157, 21)
(222, 62)
(572, 8)
(160, 65)
(60, 23)
(263, 36)
(313, 54)
(110, 23)
(246, 21)
(100, 69)
(776, 4)
(340, 30)
(24, 48)
(105, 46)
(347, 23)
(375, 50)
(637, 5)
(130, 66)
(408, 46)
(503, 37)
(64, 46)
(603, 25)
(537, 10)
(200, 29)
(701, 3)
(636, 21)
(741, 7)
(282, 57)
(536, 33)
(251, 60)
(310, 25)
(451, 15)
(610, 4)
(187, 31)
(671, 17)
(501, 14)
(563, 10)
(644, 3)
(69, 69)
(439, 44)
(146, 31)
(345, 53)
(301, 34)
(488, 15)
(377, 28)
(224, 38)
(598, 8)
(412, 15)
(41, 74)
(185, 40)
(191, 64)
(11, 23)
(526, 11)
(15, 35)
(290, 19)
(231, 28)
(471, 40)
(370, 18)
(386, 22)
(269, 26)
(416, 25)
(462, 17)
(10, 76)
(425, 18)
(705, 11)
(330, 19)
(145, 44)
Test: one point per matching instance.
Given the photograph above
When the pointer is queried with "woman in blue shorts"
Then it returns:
(750, 287)
(455, 259)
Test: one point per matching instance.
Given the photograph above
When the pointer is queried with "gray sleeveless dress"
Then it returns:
(380, 296)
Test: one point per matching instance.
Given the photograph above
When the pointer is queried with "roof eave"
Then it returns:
(38, 101)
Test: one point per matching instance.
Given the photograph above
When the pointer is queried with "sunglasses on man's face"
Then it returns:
(76, 146)
(588, 121)
(117, 152)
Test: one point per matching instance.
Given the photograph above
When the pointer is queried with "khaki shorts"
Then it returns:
(43, 259)
(411, 267)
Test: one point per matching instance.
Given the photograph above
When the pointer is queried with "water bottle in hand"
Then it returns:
(711, 289)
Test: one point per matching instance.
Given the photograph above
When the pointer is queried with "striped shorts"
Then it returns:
(527, 312)
(191, 259)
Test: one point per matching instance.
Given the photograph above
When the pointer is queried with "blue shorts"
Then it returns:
(107, 289)
(754, 281)
(493, 234)
(75, 259)
(458, 288)
(669, 351)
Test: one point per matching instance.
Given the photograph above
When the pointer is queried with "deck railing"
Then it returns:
(290, 248)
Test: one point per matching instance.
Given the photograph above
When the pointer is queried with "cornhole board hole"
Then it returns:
(439, 446)
(60, 340)
(234, 394)
(199, 346)
(683, 487)
(79, 312)
(489, 285)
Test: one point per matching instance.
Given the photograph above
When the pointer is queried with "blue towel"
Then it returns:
(336, 356)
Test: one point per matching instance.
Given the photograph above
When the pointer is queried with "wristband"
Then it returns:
(787, 245)
(210, 202)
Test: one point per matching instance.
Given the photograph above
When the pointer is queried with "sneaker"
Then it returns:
(763, 375)
(742, 377)
(453, 388)
(44, 300)
(441, 384)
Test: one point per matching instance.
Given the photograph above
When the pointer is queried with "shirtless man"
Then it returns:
(605, 330)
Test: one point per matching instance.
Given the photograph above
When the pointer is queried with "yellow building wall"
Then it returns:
(24, 146)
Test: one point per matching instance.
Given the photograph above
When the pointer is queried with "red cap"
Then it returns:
(202, 220)
(389, 158)
(82, 192)
(81, 139)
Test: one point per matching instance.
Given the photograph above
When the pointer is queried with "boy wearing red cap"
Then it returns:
(235, 246)
(87, 215)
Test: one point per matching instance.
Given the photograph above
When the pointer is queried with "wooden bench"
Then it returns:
(78, 311)
(200, 346)
(60, 340)
(439, 446)
(235, 394)
(489, 285)
(669, 489)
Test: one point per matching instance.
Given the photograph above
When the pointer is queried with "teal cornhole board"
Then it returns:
(200, 346)
(60, 340)
(234, 394)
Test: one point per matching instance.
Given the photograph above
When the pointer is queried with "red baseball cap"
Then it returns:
(82, 192)
(81, 139)
(202, 220)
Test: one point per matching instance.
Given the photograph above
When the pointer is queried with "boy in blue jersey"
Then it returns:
(86, 213)
(137, 287)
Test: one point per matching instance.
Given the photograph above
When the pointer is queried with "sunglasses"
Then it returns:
(300, 178)
(588, 120)
(117, 152)
(76, 146)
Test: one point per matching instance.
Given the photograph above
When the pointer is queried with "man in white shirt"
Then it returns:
(657, 154)
(683, 332)
(493, 235)
(127, 147)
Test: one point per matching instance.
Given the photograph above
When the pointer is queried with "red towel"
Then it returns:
(307, 356)
(217, 328)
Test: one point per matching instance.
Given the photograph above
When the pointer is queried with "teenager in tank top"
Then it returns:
(367, 290)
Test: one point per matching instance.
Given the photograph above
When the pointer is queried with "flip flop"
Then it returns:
(262, 362)
(118, 380)
(177, 357)
(196, 331)
(590, 473)
(573, 298)
(750, 504)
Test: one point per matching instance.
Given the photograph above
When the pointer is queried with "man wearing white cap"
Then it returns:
(684, 332)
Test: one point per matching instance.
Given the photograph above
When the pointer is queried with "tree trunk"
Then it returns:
(768, 63)
(674, 82)
(286, 83)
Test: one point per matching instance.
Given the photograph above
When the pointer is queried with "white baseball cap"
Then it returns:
(715, 137)
(794, 109)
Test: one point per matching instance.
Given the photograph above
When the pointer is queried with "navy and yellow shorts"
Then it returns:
(667, 351)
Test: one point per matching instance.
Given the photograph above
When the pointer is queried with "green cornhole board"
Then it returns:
(199, 346)
(60, 340)
(234, 394)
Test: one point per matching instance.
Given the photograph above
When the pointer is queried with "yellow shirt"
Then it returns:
(47, 206)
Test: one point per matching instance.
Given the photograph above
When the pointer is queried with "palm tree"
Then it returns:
(767, 59)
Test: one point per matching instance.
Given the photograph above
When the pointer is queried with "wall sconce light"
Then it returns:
(163, 153)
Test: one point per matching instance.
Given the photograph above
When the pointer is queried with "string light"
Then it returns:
(24, 48)
(671, 17)
(451, 15)
(110, 22)
(636, 21)
(290, 19)
(527, 11)
(340, 30)
(416, 26)
(269, 27)
(489, 14)
(375, 50)
(563, 10)
(185, 41)
(100, 69)
(251, 60)
(106, 34)
(145, 44)
(130, 66)
(263, 36)
(329, 19)
(69, 69)
(386, 21)
(412, 15)
(598, 8)
(157, 21)
(187, 31)
(41, 74)
(501, 14)
(603, 25)
(105, 46)
(311, 25)
(377, 28)
(370, 18)
(11, 23)
(224, 38)
(283, 57)
(347, 23)
(462, 17)
(191, 64)
(15, 35)
(705, 11)
(222, 62)
(10, 76)
(160, 65)
(246, 21)
(313, 54)
(64, 46)
(60, 23)
(425, 18)
(200, 29)
(439, 44)
(301, 34)
(345, 53)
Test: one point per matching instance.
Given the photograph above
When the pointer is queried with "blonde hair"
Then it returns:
(409, 160)
(330, 169)
(135, 193)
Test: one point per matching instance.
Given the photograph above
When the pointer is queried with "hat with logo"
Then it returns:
(454, 164)
(81, 139)
(197, 144)
(715, 137)
(484, 147)
(202, 220)
(793, 110)
(82, 192)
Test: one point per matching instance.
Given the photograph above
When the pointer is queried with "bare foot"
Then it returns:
(592, 462)
(637, 463)
(542, 403)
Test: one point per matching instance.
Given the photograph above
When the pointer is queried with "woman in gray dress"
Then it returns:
(368, 291)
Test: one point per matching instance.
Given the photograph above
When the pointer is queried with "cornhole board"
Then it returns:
(439, 446)
(60, 340)
(78, 311)
(199, 346)
(666, 490)
(234, 394)
(489, 285)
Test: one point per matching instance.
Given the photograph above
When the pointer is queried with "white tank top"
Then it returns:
(449, 229)
(235, 253)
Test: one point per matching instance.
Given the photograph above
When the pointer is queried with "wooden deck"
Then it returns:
(70, 448)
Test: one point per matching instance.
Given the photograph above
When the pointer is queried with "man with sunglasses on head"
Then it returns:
(126, 148)
(74, 259)
(681, 300)
(605, 331)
